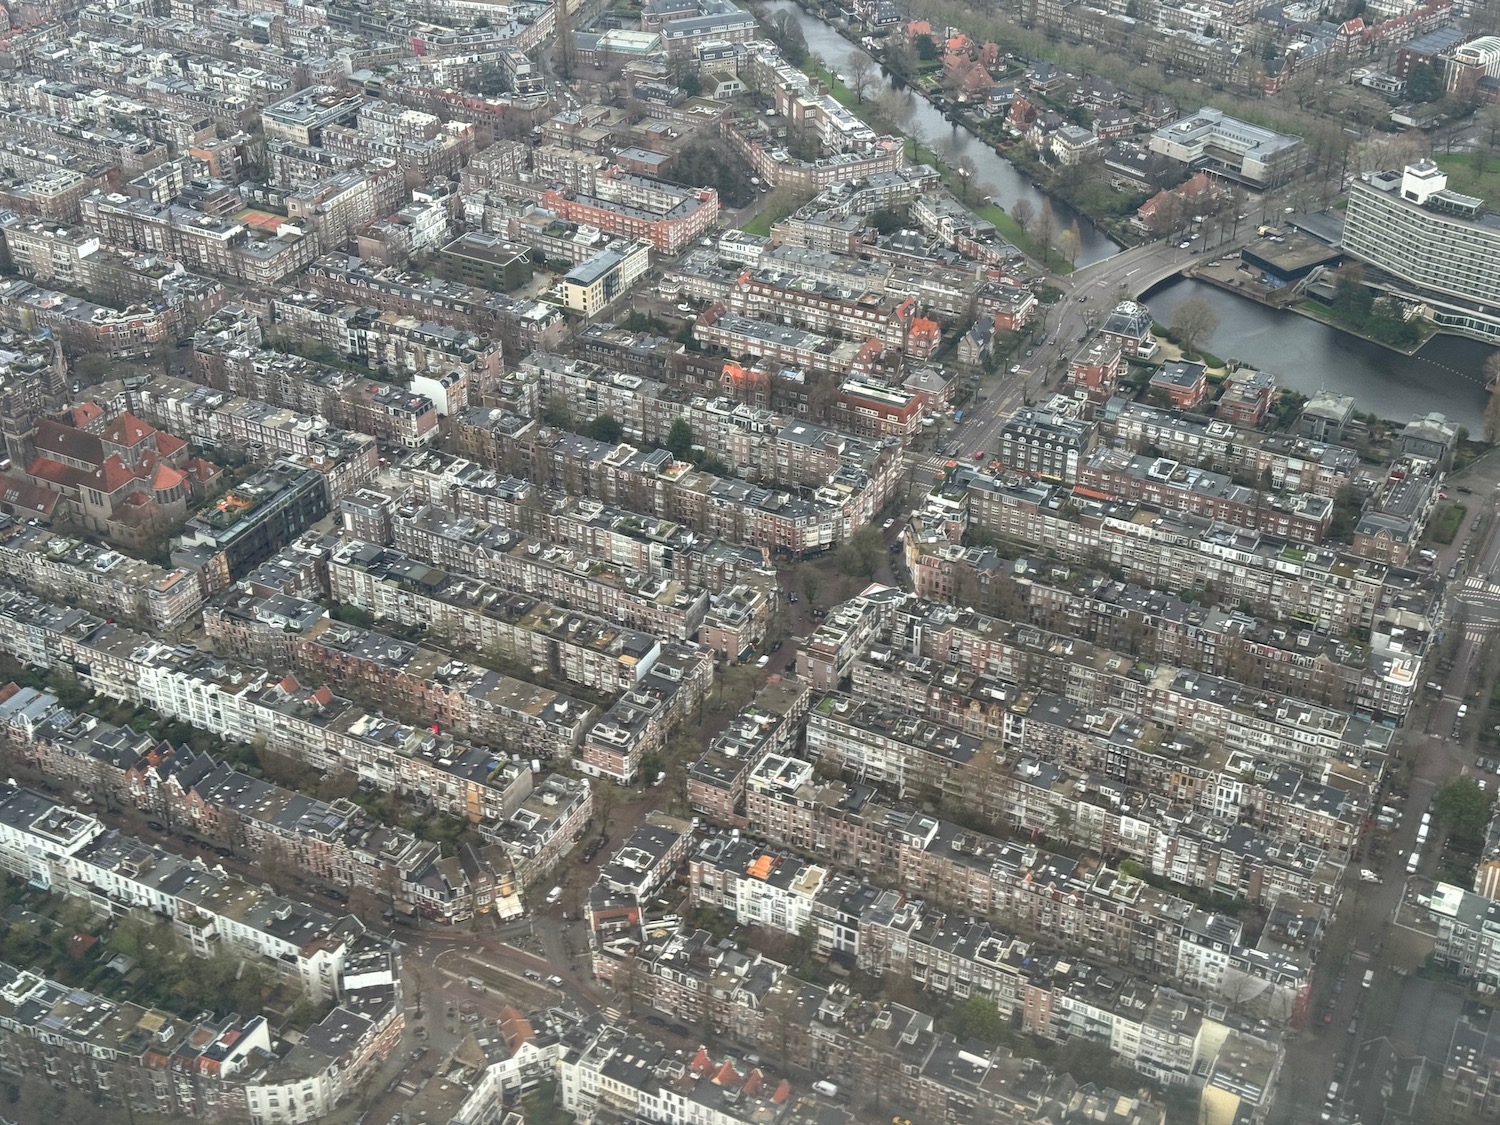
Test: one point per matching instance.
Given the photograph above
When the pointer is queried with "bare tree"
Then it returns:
(859, 69)
(1194, 322)
(1070, 242)
(1023, 213)
(893, 106)
(968, 172)
(1491, 419)
(1043, 230)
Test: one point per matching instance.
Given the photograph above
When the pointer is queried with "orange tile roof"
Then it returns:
(167, 478)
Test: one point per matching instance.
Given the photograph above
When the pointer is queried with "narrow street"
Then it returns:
(1362, 936)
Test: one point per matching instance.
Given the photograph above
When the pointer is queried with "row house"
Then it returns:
(418, 683)
(202, 242)
(117, 873)
(654, 482)
(1331, 591)
(1084, 907)
(106, 581)
(520, 324)
(1163, 482)
(624, 538)
(905, 754)
(243, 704)
(485, 618)
(833, 310)
(771, 724)
(497, 553)
(1290, 464)
(444, 363)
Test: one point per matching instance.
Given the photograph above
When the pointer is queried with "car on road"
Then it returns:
(1183, 245)
(154, 826)
(1465, 490)
(793, 598)
(1015, 368)
(555, 981)
(532, 974)
(888, 524)
(979, 455)
(763, 661)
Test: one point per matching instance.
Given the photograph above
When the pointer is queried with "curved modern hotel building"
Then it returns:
(1434, 245)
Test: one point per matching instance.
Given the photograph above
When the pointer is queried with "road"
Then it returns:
(1089, 294)
(1362, 935)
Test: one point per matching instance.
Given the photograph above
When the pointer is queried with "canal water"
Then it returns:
(1304, 355)
(1307, 356)
(1008, 184)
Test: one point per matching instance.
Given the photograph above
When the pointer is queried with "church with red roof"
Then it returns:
(118, 476)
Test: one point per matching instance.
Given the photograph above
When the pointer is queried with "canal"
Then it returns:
(1307, 356)
(1304, 355)
(1008, 184)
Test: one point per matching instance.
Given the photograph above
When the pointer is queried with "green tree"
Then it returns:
(1131, 869)
(978, 1018)
(606, 428)
(860, 554)
(1423, 83)
(680, 439)
(1462, 807)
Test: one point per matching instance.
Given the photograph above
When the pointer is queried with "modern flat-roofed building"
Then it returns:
(1432, 244)
(599, 281)
(1213, 141)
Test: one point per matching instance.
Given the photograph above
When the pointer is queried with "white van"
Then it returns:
(554, 896)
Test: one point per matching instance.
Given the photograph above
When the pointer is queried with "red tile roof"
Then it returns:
(54, 437)
(55, 472)
(127, 429)
(114, 474)
(168, 444)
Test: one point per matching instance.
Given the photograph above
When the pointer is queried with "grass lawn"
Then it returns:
(778, 206)
(1463, 178)
(1445, 524)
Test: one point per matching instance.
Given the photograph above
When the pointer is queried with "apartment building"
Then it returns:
(1044, 442)
(772, 723)
(486, 618)
(603, 278)
(250, 522)
(670, 218)
(496, 553)
(1430, 244)
(106, 581)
